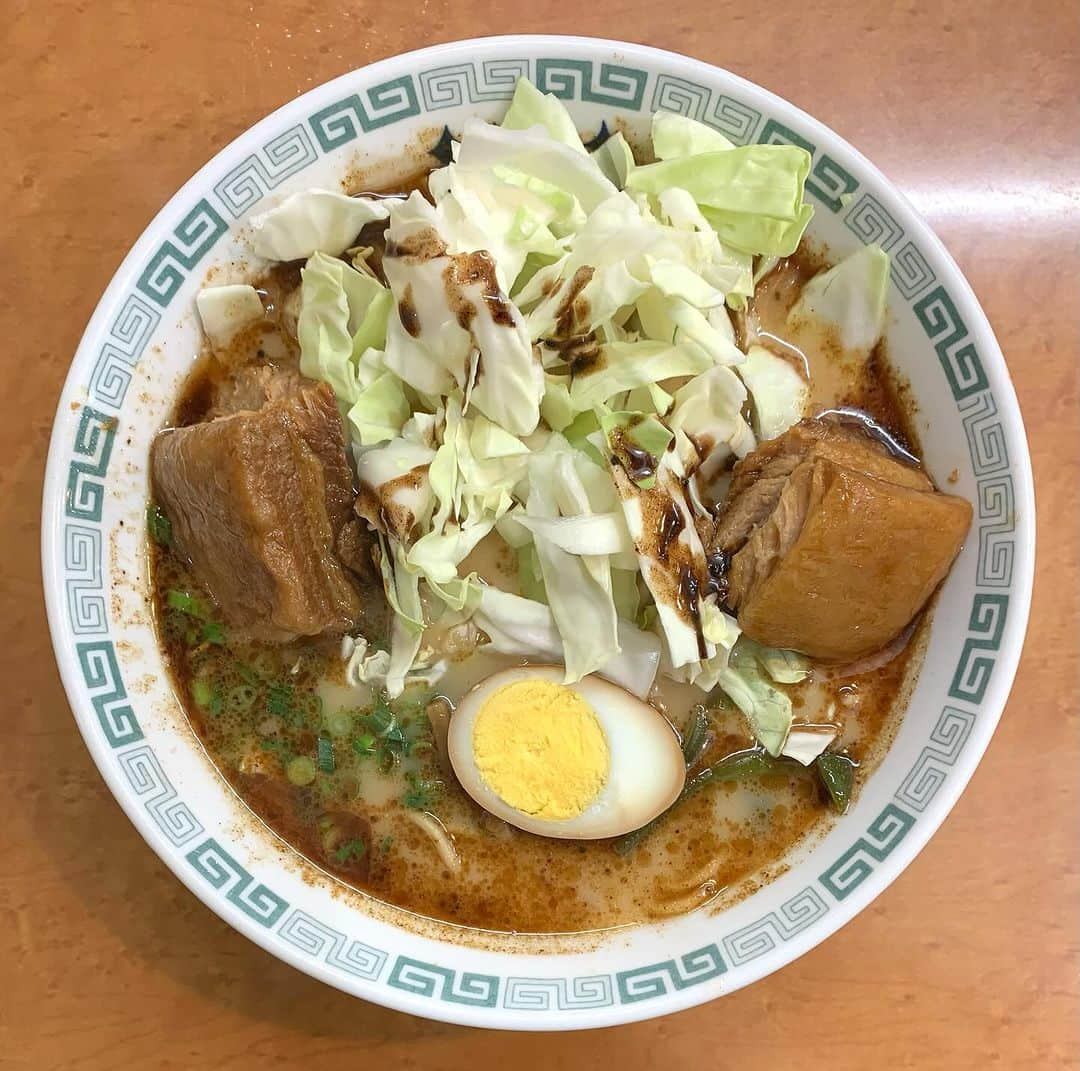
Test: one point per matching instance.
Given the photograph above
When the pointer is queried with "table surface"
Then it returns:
(106, 961)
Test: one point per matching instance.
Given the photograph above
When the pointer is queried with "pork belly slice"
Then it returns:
(257, 499)
(835, 545)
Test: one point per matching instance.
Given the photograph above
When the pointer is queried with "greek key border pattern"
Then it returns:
(456, 84)
(251, 180)
(158, 795)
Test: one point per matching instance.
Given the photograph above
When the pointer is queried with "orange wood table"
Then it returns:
(968, 961)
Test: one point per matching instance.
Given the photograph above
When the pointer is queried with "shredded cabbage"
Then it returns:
(767, 709)
(752, 196)
(553, 368)
(314, 221)
(850, 298)
(342, 310)
(708, 410)
(536, 154)
(529, 107)
(780, 392)
(456, 329)
(806, 742)
(510, 217)
(645, 502)
(616, 159)
(678, 135)
(518, 626)
(407, 629)
(622, 366)
(577, 582)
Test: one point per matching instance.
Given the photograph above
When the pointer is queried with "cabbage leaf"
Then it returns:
(661, 562)
(533, 153)
(679, 135)
(578, 585)
(623, 366)
(805, 743)
(708, 410)
(768, 710)
(518, 626)
(780, 393)
(752, 195)
(314, 221)
(616, 159)
(510, 217)
(338, 302)
(849, 298)
(462, 331)
(529, 107)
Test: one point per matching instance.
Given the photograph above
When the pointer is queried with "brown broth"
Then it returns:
(258, 708)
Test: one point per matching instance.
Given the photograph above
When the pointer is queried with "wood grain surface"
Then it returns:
(968, 961)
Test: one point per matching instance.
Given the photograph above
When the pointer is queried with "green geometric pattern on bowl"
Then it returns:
(619, 88)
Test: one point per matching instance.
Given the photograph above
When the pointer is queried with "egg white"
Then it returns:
(646, 769)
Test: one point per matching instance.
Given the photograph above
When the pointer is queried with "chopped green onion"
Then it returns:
(159, 525)
(240, 699)
(187, 604)
(381, 719)
(279, 700)
(351, 849)
(301, 770)
(364, 745)
(207, 695)
(421, 794)
(837, 773)
(384, 845)
(324, 754)
(417, 732)
(213, 633)
(284, 752)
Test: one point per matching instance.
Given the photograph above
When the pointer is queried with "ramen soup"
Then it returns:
(544, 547)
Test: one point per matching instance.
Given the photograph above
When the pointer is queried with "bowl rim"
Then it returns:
(990, 706)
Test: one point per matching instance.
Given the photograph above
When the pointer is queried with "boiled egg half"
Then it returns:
(577, 761)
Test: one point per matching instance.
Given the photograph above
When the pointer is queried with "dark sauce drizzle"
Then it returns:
(716, 582)
(671, 524)
(690, 604)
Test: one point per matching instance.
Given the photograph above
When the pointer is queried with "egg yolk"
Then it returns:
(539, 747)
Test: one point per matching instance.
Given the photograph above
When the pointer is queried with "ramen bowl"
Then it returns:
(126, 375)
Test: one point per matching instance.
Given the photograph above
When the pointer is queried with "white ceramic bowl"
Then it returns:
(132, 359)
